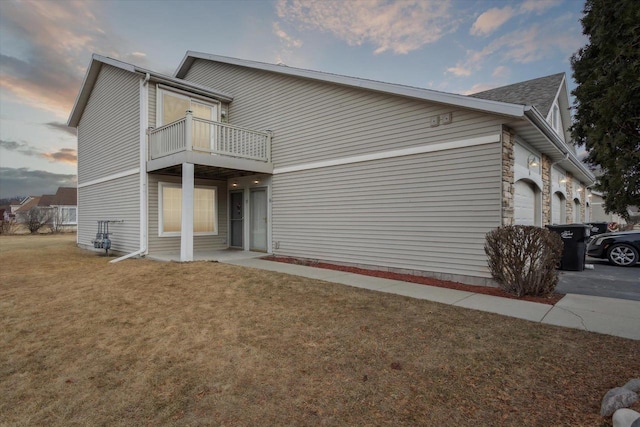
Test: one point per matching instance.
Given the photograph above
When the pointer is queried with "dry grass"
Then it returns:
(84, 342)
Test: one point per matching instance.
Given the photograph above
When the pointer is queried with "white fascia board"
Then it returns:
(538, 121)
(94, 69)
(173, 81)
(513, 110)
(190, 87)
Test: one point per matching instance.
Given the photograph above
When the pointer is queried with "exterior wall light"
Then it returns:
(235, 184)
(532, 161)
(256, 181)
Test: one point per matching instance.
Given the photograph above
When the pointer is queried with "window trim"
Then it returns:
(69, 207)
(556, 120)
(162, 233)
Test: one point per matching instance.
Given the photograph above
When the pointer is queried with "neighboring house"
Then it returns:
(22, 210)
(61, 208)
(65, 208)
(599, 214)
(319, 166)
(10, 210)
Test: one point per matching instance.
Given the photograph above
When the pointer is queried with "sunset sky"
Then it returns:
(458, 46)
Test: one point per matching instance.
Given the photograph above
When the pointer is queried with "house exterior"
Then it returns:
(64, 208)
(9, 213)
(61, 209)
(230, 153)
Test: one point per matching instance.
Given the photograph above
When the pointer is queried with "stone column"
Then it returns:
(508, 183)
(583, 203)
(546, 189)
(569, 189)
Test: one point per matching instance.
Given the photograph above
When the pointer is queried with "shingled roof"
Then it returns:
(28, 205)
(540, 93)
(66, 196)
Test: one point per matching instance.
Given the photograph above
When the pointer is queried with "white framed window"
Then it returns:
(69, 214)
(205, 218)
(556, 122)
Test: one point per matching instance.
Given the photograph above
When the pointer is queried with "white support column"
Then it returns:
(188, 130)
(186, 234)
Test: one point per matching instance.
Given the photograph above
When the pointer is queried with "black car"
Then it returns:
(620, 248)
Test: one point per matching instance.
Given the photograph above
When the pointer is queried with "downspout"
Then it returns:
(144, 121)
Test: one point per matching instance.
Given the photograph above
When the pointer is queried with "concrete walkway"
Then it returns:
(591, 313)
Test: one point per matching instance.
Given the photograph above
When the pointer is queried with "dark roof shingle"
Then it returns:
(540, 93)
(66, 196)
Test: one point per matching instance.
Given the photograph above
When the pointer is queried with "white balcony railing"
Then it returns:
(195, 134)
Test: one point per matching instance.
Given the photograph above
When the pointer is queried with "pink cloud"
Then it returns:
(56, 39)
(399, 27)
(538, 5)
(527, 45)
(491, 20)
(479, 87)
(459, 71)
(63, 155)
(500, 71)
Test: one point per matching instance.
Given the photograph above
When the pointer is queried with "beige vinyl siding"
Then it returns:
(427, 212)
(171, 244)
(109, 129)
(118, 199)
(153, 93)
(314, 121)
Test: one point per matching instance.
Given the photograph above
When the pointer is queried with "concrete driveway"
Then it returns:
(604, 280)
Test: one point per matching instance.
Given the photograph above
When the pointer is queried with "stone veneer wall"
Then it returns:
(546, 190)
(508, 176)
(583, 203)
(569, 202)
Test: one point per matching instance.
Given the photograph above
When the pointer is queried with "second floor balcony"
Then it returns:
(207, 142)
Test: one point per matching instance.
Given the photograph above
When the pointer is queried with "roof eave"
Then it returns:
(495, 107)
(97, 61)
(538, 120)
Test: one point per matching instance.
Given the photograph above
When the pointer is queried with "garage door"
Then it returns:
(524, 203)
(557, 209)
(576, 211)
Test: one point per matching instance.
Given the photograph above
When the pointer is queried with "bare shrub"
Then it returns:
(37, 217)
(523, 259)
(7, 226)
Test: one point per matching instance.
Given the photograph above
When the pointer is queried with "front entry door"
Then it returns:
(236, 214)
(258, 221)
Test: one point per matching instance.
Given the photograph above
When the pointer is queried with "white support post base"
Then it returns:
(186, 234)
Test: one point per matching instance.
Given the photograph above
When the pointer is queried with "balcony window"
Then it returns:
(172, 106)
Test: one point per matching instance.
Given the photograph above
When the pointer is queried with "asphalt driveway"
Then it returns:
(604, 280)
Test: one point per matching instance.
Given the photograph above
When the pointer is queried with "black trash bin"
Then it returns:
(574, 237)
(598, 227)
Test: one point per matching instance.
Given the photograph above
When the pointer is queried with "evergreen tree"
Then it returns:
(607, 99)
